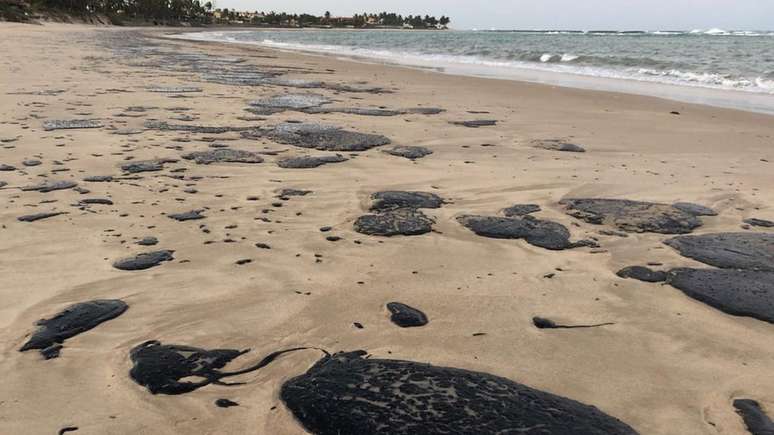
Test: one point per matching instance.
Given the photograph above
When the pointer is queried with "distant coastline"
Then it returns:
(193, 13)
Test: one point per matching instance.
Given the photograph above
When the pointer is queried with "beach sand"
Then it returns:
(669, 364)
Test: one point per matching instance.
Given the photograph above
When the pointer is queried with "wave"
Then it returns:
(765, 84)
(713, 79)
(721, 32)
(548, 57)
(569, 57)
(716, 32)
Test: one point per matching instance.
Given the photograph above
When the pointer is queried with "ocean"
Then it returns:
(718, 67)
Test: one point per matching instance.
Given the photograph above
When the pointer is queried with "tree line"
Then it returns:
(393, 19)
(202, 12)
(168, 11)
(386, 19)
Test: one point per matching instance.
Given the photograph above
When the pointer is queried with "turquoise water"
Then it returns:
(715, 59)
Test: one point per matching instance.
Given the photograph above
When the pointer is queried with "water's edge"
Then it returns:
(722, 98)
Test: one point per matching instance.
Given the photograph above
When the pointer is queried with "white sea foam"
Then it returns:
(721, 32)
(708, 79)
(765, 84)
(550, 58)
(715, 32)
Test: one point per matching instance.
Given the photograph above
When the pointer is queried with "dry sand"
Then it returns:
(669, 364)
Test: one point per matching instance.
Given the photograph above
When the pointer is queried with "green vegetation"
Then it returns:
(14, 10)
(172, 12)
(169, 12)
(365, 20)
(163, 11)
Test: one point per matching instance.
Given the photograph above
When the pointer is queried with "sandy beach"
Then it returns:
(261, 269)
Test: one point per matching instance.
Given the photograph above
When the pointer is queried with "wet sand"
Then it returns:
(255, 268)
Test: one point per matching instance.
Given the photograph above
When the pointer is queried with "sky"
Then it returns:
(549, 14)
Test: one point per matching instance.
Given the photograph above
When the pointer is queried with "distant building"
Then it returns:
(342, 21)
(249, 16)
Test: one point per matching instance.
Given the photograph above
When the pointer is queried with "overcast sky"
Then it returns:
(553, 14)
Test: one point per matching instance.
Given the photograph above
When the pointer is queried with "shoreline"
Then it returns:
(259, 254)
(693, 95)
(754, 102)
